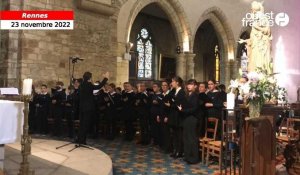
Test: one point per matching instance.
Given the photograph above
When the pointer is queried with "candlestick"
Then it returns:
(230, 100)
(26, 140)
(27, 87)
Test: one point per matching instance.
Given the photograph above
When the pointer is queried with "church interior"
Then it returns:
(136, 87)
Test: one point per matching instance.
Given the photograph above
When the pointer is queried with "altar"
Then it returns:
(11, 122)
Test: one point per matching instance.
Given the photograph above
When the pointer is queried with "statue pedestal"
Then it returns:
(258, 143)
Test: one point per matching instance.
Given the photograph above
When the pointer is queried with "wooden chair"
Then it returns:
(214, 148)
(291, 133)
(210, 135)
(283, 128)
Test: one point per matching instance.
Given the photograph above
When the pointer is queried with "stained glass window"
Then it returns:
(145, 49)
(217, 56)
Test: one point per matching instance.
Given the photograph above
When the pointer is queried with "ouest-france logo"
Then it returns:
(266, 19)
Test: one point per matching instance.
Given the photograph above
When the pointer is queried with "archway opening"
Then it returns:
(207, 48)
(154, 46)
(242, 54)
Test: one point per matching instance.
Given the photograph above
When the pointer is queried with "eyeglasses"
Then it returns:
(211, 84)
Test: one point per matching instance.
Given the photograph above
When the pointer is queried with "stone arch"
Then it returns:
(244, 34)
(223, 29)
(176, 15)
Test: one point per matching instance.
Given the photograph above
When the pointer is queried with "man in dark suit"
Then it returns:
(86, 103)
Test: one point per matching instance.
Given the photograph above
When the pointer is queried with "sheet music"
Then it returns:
(9, 91)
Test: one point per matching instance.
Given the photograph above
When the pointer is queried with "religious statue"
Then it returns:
(259, 43)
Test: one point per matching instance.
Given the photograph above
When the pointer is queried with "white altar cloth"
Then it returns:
(11, 123)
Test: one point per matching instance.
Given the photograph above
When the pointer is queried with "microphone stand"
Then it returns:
(71, 75)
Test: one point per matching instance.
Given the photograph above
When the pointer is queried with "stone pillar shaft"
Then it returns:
(190, 65)
(181, 66)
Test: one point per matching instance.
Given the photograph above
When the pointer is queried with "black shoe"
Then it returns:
(179, 155)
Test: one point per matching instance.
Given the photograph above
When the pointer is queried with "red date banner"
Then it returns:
(36, 20)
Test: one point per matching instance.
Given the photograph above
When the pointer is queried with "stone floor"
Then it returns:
(46, 160)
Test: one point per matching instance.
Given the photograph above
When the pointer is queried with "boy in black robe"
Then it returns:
(129, 116)
(58, 102)
(142, 105)
(42, 105)
(111, 113)
(155, 127)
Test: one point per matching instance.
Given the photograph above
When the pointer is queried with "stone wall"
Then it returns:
(9, 51)
(45, 54)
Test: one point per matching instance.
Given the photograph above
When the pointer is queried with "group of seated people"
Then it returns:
(169, 114)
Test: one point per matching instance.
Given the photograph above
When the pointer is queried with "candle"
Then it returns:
(27, 87)
(230, 100)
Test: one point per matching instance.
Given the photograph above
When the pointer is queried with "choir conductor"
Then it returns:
(86, 103)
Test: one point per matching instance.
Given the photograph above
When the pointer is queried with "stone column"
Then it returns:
(122, 65)
(227, 76)
(231, 71)
(190, 65)
(235, 69)
(181, 66)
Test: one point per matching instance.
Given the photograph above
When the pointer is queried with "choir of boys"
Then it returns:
(171, 115)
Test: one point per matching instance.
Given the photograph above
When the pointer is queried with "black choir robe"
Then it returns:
(190, 135)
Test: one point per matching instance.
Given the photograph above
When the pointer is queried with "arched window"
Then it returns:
(244, 61)
(243, 54)
(144, 48)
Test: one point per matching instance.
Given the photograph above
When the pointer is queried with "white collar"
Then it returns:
(112, 93)
(44, 93)
(177, 90)
(166, 93)
(145, 92)
(129, 91)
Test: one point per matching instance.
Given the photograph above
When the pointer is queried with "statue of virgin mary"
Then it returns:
(259, 43)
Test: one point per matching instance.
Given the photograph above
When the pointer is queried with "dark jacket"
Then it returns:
(203, 98)
(86, 96)
(165, 110)
(176, 117)
(59, 106)
(216, 99)
(128, 99)
(112, 105)
(43, 103)
(192, 106)
(142, 104)
(156, 102)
